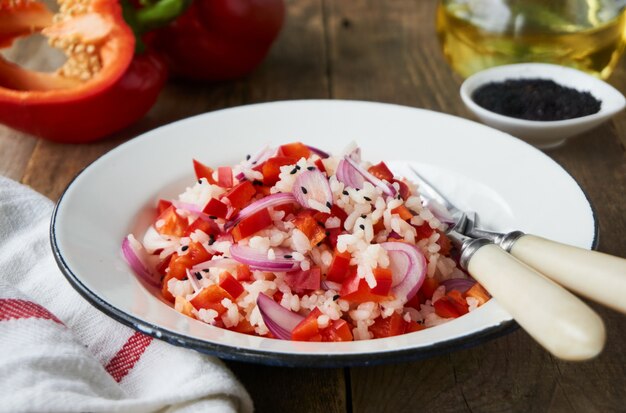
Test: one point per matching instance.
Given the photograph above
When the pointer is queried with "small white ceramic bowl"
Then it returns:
(544, 134)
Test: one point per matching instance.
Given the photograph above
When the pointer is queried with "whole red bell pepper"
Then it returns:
(101, 88)
(220, 39)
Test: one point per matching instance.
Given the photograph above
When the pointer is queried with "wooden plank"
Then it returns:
(15, 151)
(402, 63)
(284, 389)
(295, 68)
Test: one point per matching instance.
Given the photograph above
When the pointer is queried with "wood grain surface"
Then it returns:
(384, 51)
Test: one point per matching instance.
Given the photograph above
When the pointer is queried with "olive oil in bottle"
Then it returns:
(585, 34)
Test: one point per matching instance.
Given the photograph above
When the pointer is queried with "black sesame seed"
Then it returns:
(212, 217)
(318, 244)
(362, 226)
(198, 275)
(184, 248)
(304, 191)
(327, 233)
(200, 181)
(257, 183)
(320, 223)
(288, 256)
(254, 163)
(328, 204)
(205, 270)
(293, 171)
(311, 168)
(248, 157)
(335, 297)
(367, 198)
(363, 216)
(345, 193)
(357, 189)
(211, 242)
(298, 167)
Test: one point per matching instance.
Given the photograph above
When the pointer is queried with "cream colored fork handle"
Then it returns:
(554, 317)
(600, 277)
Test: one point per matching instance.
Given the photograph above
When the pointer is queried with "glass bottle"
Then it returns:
(585, 34)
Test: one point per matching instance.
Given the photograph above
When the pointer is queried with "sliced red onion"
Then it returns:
(133, 254)
(348, 175)
(263, 203)
(318, 152)
(394, 235)
(439, 211)
(408, 268)
(313, 186)
(191, 276)
(386, 187)
(277, 318)
(330, 285)
(459, 284)
(258, 260)
(186, 206)
(218, 262)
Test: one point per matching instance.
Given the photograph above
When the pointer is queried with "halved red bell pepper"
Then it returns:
(99, 90)
(220, 39)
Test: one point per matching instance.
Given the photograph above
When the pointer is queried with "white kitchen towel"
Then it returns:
(60, 354)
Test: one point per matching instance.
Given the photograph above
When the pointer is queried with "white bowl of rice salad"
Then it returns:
(290, 233)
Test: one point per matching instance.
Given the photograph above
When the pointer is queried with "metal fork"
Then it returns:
(554, 317)
(597, 276)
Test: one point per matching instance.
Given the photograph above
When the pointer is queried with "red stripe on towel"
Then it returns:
(128, 355)
(14, 309)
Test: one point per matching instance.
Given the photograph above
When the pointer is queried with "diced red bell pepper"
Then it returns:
(308, 329)
(180, 263)
(428, 287)
(225, 176)
(278, 296)
(203, 171)
(403, 212)
(301, 281)
(381, 171)
(252, 224)
(445, 308)
(170, 223)
(230, 284)
(357, 290)
(208, 227)
(240, 194)
(444, 244)
(243, 273)
(383, 281)
(404, 189)
(339, 267)
(162, 266)
(306, 222)
(243, 327)
(163, 205)
(458, 301)
(394, 325)
(165, 292)
(423, 231)
(412, 327)
(478, 292)
(333, 234)
(338, 330)
(320, 165)
(271, 168)
(211, 298)
(294, 150)
(216, 208)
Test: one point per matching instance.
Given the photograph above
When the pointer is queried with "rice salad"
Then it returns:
(295, 244)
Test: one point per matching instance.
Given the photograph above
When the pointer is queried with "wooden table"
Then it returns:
(387, 51)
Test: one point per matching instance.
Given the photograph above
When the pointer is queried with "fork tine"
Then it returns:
(427, 190)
